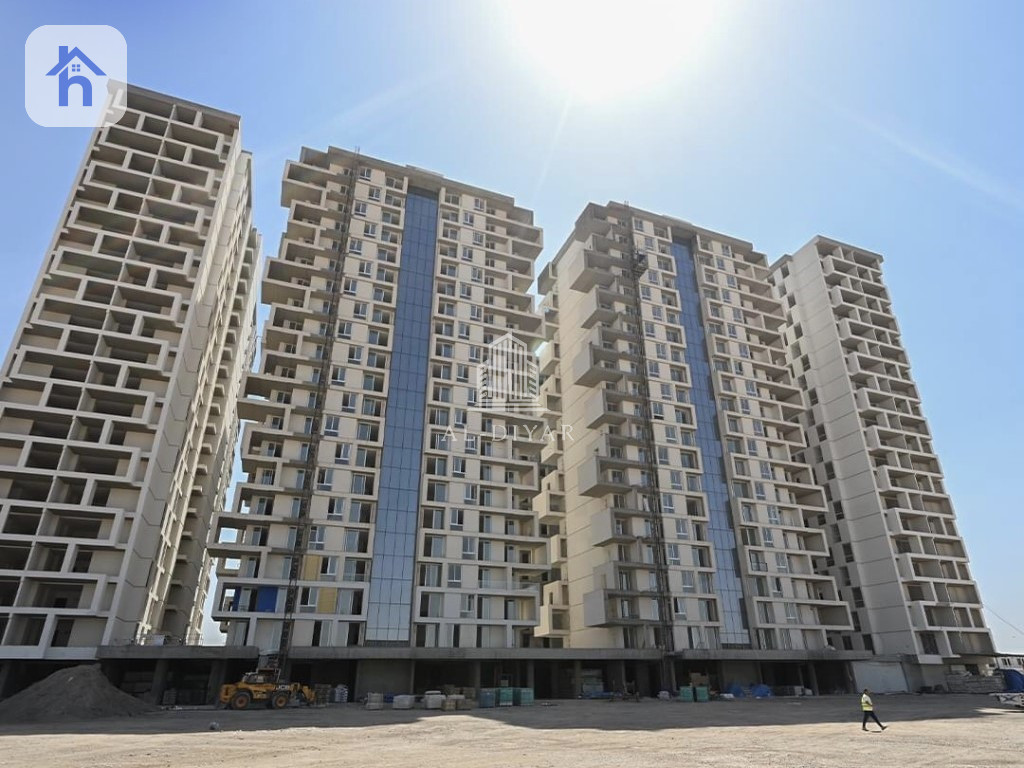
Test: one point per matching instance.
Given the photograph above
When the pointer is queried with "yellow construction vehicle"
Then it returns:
(264, 686)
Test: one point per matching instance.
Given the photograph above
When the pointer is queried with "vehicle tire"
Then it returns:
(241, 700)
(280, 700)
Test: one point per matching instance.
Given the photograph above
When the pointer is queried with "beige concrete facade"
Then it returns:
(680, 461)
(686, 520)
(896, 551)
(369, 458)
(118, 395)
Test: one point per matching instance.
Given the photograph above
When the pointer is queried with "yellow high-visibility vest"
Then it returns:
(865, 703)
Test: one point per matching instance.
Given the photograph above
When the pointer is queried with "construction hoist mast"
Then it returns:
(650, 492)
(327, 333)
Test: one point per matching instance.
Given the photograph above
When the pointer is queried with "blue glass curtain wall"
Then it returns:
(389, 606)
(728, 583)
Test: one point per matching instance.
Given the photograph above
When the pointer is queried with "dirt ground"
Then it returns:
(784, 733)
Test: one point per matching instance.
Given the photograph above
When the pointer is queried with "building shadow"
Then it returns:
(646, 715)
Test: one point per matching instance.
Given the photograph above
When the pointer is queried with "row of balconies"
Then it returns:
(43, 592)
(907, 410)
(857, 332)
(881, 438)
(916, 567)
(914, 522)
(943, 547)
(877, 301)
(862, 366)
(931, 615)
(891, 479)
(941, 592)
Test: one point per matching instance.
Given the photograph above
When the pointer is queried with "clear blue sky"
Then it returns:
(894, 126)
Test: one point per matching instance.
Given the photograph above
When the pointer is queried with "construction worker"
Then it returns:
(868, 707)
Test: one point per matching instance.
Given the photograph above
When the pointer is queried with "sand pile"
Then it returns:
(76, 693)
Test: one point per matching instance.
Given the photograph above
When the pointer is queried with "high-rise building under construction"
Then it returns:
(118, 400)
(663, 461)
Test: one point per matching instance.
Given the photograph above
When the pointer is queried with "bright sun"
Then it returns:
(597, 50)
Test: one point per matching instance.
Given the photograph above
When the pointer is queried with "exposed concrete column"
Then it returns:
(671, 682)
(813, 678)
(6, 678)
(477, 676)
(412, 676)
(156, 691)
(577, 678)
(218, 673)
(618, 683)
(530, 674)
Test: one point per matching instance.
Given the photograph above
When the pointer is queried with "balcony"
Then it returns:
(594, 365)
(548, 359)
(595, 309)
(589, 269)
(557, 550)
(601, 611)
(549, 505)
(546, 279)
(599, 410)
(607, 528)
(551, 451)
(976, 642)
(594, 479)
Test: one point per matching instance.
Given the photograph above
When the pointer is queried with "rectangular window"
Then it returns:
(457, 519)
(455, 576)
(679, 607)
(673, 554)
(342, 453)
(362, 484)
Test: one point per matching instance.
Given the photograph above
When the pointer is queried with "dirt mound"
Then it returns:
(76, 693)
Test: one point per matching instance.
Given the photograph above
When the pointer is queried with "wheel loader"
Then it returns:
(264, 686)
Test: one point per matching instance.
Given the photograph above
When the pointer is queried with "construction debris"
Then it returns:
(75, 693)
(974, 684)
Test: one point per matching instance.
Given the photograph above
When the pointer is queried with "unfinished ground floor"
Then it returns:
(192, 675)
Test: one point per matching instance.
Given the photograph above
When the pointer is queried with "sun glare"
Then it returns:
(597, 50)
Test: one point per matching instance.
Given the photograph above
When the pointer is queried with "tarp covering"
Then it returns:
(1014, 680)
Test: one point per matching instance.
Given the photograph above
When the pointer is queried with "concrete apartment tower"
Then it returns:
(386, 506)
(687, 521)
(118, 398)
(895, 549)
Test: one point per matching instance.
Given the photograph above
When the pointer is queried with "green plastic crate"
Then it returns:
(522, 697)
